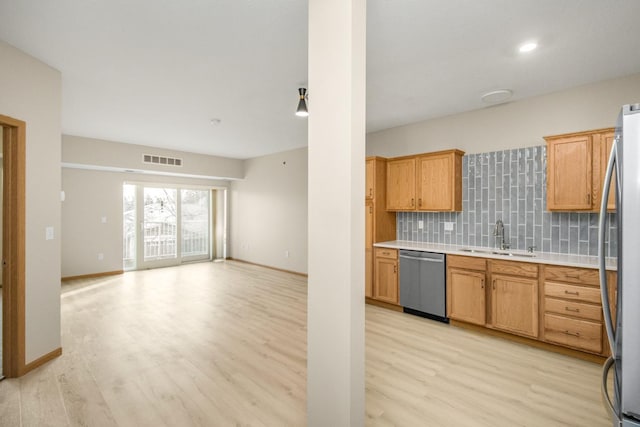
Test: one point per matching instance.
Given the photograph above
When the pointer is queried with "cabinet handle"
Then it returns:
(482, 284)
(575, 310)
(371, 192)
(588, 199)
(420, 202)
(576, 293)
(573, 275)
(413, 202)
(370, 209)
(395, 268)
(573, 334)
(494, 284)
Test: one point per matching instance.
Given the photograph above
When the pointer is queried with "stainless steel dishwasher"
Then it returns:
(422, 284)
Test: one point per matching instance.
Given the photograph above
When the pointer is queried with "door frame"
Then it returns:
(13, 246)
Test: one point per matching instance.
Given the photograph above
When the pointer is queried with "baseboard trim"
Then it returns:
(41, 360)
(269, 267)
(528, 341)
(93, 275)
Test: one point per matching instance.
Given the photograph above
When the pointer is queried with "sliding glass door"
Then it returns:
(170, 226)
(159, 236)
(195, 223)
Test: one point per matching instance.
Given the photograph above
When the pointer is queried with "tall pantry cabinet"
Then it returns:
(380, 224)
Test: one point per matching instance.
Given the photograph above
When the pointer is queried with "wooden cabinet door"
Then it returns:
(514, 304)
(466, 296)
(569, 173)
(385, 287)
(435, 189)
(370, 179)
(368, 224)
(401, 184)
(368, 272)
(368, 251)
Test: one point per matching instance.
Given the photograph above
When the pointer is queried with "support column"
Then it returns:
(335, 378)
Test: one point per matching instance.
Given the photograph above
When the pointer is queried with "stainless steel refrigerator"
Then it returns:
(624, 335)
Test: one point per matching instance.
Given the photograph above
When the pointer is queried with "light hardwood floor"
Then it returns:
(217, 344)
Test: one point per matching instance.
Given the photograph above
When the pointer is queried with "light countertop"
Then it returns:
(516, 255)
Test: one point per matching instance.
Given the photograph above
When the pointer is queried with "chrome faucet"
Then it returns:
(498, 232)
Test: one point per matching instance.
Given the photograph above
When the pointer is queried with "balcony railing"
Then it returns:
(195, 237)
(160, 241)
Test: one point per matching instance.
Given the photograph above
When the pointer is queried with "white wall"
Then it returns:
(513, 125)
(98, 152)
(31, 91)
(93, 194)
(268, 211)
(89, 196)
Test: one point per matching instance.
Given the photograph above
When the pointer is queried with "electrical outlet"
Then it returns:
(48, 233)
(448, 226)
(420, 225)
(103, 219)
(100, 256)
(286, 254)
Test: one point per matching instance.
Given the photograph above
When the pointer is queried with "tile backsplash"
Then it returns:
(510, 185)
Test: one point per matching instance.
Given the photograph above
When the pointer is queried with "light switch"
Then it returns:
(448, 226)
(420, 225)
(48, 233)
(103, 219)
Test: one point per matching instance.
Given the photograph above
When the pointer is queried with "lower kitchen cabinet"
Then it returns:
(466, 295)
(507, 302)
(368, 249)
(514, 304)
(582, 334)
(385, 284)
(368, 273)
(514, 297)
(559, 305)
(573, 309)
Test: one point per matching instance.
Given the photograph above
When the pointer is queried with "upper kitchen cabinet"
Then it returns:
(576, 165)
(401, 184)
(439, 186)
(426, 182)
(370, 178)
(383, 223)
(606, 142)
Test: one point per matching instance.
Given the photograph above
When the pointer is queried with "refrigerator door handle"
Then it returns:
(604, 288)
(605, 391)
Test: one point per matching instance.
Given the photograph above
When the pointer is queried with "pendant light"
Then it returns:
(301, 111)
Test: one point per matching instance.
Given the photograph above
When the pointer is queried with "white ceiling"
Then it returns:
(155, 72)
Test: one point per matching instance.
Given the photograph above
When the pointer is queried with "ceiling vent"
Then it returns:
(161, 160)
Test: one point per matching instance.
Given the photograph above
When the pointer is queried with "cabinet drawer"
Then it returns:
(386, 253)
(514, 268)
(572, 308)
(574, 333)
(581, 276)
(467, 262)
(572, 292)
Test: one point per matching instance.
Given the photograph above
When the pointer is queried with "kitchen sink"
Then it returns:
(497, 252)
(476, 251)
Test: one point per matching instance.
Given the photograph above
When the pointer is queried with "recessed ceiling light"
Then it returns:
(496, 96)
(215, 121)
(528, 47)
